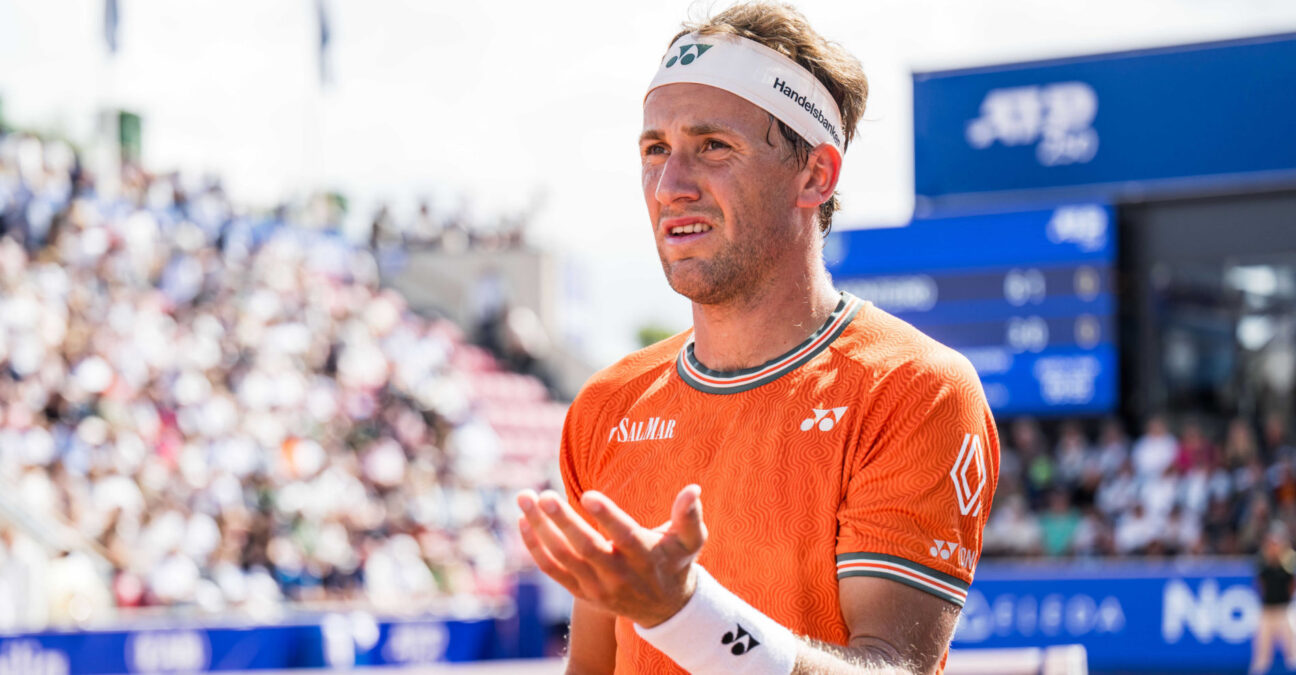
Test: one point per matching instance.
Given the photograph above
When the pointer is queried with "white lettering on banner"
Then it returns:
(416, 643)
(1024, 286)
(1026, 333)
(1232, 615)
(989, 360)
(917, 293)
(1057, 117)
(168, 651)
(345, 634)
(1055, 614)
(1084, 225)
(28, 657)
(1067, 379)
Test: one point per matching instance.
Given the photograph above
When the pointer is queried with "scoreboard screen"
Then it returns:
(1027, 297)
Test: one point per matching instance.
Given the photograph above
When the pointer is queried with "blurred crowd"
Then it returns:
(219, 410)
(224, 411)
(454, 233)
(1169, 491)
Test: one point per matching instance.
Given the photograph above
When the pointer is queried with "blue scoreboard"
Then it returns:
(1026, 296)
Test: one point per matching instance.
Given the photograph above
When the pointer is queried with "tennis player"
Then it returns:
(847, 461)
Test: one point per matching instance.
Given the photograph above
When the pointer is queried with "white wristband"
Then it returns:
(717, 633)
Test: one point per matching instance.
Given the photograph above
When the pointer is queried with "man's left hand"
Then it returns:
(645, 575)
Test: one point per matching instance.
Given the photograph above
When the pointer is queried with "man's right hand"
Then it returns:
(642, 574)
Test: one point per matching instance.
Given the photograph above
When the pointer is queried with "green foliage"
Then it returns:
(652, 333)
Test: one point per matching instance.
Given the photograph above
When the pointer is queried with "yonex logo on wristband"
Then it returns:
(739, 647)
(684, 57)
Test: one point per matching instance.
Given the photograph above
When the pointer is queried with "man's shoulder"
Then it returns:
(889, 348)
(640, 366)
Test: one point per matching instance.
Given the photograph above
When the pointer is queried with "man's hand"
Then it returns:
(644, 575)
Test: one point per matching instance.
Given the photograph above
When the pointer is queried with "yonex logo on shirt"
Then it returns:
(942, 549)
(684, 57)
(822, 419)
(651, 429)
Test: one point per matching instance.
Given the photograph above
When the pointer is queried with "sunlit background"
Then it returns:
(293, 296)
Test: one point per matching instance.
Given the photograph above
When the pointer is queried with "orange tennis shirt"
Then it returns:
(868, 450)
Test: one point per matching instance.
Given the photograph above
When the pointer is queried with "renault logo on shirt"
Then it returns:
(651, 429)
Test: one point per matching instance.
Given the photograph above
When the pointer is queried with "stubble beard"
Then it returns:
(732, 274)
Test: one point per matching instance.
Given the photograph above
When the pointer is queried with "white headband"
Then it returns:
(759, 74)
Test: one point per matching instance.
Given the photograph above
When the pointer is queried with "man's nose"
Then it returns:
(678, 180)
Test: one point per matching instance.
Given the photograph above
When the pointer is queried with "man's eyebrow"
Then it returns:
(699, 129)
(704, 128)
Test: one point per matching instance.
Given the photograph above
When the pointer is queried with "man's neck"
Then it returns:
(759, 327)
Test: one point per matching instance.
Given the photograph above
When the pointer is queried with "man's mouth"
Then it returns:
(694, 228)
(685, 227)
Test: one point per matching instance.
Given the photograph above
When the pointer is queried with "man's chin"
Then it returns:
(698, 289)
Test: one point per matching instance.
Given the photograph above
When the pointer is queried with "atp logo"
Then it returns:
(942, 549)
(969, 467)
(1056, 118)
(822, 419)
(740, 646)
(684, 57)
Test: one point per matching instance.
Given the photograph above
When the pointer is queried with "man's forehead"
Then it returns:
(699, 108)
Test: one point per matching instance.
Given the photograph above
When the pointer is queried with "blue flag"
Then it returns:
(111, 18)
(325, 37)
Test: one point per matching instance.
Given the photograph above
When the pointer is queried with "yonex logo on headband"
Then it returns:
(749, 70)
(685, 58)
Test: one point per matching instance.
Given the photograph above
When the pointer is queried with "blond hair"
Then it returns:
(784, 29)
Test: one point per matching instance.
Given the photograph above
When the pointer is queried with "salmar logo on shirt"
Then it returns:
(688, 54)
(651, 429)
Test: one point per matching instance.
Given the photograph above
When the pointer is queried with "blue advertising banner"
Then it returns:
(1131, 616)
(1026, 296)
(1108, 125)
(334, 641)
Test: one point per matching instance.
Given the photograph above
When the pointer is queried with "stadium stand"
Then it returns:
(208, 409)
(226, 413)
(1164, 493)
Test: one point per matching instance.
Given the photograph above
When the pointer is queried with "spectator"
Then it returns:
(1113, 448)
(1240, 446)
(1277, 442)
(1036, 463)
(1119, 494)
(1194, 448)
(1137, 531)
(1155, 450)
(1058, 525)
(1073, 454)
(1275, 571)
(1012, 529)
(1159, 494)
(1093, 535)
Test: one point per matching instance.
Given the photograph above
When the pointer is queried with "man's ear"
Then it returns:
(818, 180)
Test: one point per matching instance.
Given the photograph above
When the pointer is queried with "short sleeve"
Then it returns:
(573, 454)
(919, 495)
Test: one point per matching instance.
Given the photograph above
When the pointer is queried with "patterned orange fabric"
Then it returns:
(869, 450)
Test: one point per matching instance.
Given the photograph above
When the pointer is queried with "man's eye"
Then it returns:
(654, 149)
(713, 144)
